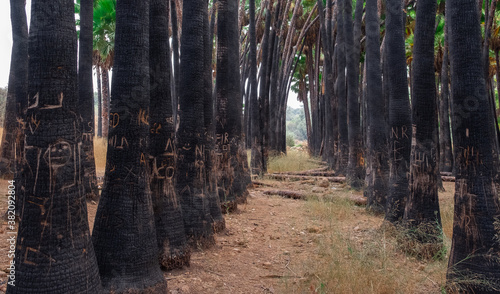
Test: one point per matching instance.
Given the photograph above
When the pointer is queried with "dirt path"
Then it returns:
(276, 245)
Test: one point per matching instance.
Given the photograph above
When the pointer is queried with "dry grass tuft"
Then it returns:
(294, 160)
(358, 253)
(100, 150)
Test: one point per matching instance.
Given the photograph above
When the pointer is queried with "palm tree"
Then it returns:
(399, 112)
(255, 112)
(376, 145)
(11, 147)
(18, 86)
(174, 252)
(473, 266)
(53, 238)
(445, 156)
(340, 85)
(355, 164)
(124, 234)
(228, 119)
(191, 170)
(422, 208)
(86, 98)
(104, 41)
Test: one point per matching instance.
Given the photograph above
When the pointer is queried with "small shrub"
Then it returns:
(290, 141)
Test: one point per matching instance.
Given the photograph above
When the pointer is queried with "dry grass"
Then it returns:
(359, 255)
(100, 150)
(294, 160)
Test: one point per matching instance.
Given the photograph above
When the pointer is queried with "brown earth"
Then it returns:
(272, 245)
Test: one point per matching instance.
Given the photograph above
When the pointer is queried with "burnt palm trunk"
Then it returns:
(422, 207)
(124, 234)
(473, 266)
(228, 120)
(170, 234)
(54, 252)
(19, 88)
(219, 223)
(86, 99)
(399, 112)
(256, 160)
(265, 78)
(11, 150)
(191, 176)
(340, 48)
(105, 101)
(175, 58)
(376, 142)
(355, 165)
(446, 156)
(99, 101)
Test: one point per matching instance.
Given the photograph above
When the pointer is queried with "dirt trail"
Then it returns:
(268, 247)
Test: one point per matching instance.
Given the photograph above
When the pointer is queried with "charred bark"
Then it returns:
(124, 233)
(54, 252)
(474, 266)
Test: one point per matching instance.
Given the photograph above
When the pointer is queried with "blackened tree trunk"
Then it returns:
(191, 176)
(54, 252)
(445, 156)
(11, 150)
(340, 48)
(19, 85)
(266, 67)
(105, 101)
(422, 207)
(399, 112)
(355, 165)
(219, 223)
(124, 234)
(473, 266)
(99, 101)
(376, 142)
(86, 98)
(170, 233)
(228, 119)
(175, 58)
(256, 159)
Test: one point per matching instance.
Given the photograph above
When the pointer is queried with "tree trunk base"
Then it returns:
(219, 225)
(201, 242)
(229, 206)
(174, 260)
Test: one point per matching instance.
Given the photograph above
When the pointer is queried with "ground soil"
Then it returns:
(263, 250)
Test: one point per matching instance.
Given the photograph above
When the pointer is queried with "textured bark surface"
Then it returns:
(341, 91)
(473, 266)
(219, 223)
(256, 159)
(170, 234)
(376, 142)
(355, 168)
(399, 113)
(86, 99)
(99, 100)
(445, 151)
(19, 88)
(228, 119)
(54, 252)
(124, 234)
(191, 183)
(11, 150)
(105, 101)
(422, 207)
